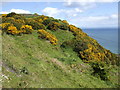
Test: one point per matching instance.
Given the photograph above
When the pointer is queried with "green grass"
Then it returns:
(47, 66)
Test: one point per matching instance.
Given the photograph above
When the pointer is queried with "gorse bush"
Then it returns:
(65, 22)
(27, 29)
(8, 19)
(64, 25)
(91, 53)
(9, 29)
(53, 26)
(4, 15)
(46, 35)
(47, 21)
(12, 30)
(35, 25)
(76, 31)
(43, 17)
(40, 18)
(87, 48)
(4, 27)
(16, 22)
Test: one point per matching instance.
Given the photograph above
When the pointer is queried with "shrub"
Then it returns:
(47, 21)
(92, 53)
(89, 49)
(35, 25)
(16, 22)
(53, 26)
(4, 15)
(18, 16)
(65, 22)
(20, 21)
(63, 27)
(79, 45)
(12, 30)
(100, 70)
(11, 14)
(4, 26)
(43, 17)
(26, 29)
(35, 14)
(76, 45)
(46, 35)
(76, 31)
(40, 20)
(67, 44)
(41, 26)
(8, 19)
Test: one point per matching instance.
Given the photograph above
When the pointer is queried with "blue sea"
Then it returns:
(107, 37)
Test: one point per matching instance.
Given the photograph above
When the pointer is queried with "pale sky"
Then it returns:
(90, 14)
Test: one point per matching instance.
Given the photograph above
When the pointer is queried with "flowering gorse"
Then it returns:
(46, 35)
(12, 30)
(27, 29)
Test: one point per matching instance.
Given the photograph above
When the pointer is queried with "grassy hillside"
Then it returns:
(30, 61)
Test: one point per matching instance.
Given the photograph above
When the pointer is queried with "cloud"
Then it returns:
(19, 11)
(72, 12)
(55, 12)
(84, 4)
(51, 11)
(114, 16)
(96, 21)
(4, 12)
(78, 10)
(94, 18)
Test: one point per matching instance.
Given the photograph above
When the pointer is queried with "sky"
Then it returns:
(82, 14)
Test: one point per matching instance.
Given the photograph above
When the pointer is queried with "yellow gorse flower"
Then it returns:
(26, 29)
(44, 34)
(4, 15)
(4, 25)
(12, 30)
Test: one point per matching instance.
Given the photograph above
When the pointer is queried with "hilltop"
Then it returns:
(42, 52)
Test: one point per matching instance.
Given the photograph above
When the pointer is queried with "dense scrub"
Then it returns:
(89, 49)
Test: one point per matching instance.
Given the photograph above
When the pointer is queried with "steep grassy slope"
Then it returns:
(43, 52)
(30, 62)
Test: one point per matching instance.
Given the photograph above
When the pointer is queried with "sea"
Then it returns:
(107, 37)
